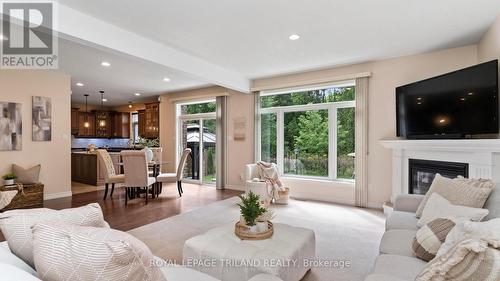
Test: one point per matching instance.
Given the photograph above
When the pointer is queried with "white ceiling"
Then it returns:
(251, 37)
(126, 75)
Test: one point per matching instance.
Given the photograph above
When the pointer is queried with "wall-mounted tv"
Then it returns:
(459, 104)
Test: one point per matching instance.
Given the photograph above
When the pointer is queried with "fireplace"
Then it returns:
(421, 173)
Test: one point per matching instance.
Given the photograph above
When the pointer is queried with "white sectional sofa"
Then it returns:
(396, 261)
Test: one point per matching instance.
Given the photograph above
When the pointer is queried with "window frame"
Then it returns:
(331, 107)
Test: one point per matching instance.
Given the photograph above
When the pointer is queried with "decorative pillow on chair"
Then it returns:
(439, 207)
(26, 176)
(430, 237)
(16, 225)
(91, 254)
(459, 191)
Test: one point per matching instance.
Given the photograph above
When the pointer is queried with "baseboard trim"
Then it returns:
(375, 205)
(57, 195)
(236, 187)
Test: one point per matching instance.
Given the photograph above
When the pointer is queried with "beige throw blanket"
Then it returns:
(268, 172)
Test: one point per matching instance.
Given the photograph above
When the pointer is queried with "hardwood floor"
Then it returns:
(137, 213)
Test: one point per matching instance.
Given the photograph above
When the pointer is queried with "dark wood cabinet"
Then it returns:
(84, 168)
(152, 120)
(121, 125)
(141, 115)
(104, 124)
(86, 131)
(74, 121)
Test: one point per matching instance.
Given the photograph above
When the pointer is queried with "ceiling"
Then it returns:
(251, 37)
(126, 75)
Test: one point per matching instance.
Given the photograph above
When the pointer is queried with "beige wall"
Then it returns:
(386, 75)
(54, 156)
(489, 46)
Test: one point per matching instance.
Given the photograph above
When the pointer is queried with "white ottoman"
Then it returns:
(221, 254)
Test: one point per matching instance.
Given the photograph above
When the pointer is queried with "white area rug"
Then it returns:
(342, 233)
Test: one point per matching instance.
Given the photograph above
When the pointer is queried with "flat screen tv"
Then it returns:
(459, 104)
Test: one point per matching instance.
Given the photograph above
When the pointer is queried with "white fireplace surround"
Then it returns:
(482, 155)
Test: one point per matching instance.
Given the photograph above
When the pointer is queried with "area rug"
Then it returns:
(343, 233)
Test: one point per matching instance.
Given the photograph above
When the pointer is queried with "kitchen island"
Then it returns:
(85, 167)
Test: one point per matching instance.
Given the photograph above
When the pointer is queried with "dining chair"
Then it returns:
(135, 165)
(177, 176)
(108, 168)
(157, 157)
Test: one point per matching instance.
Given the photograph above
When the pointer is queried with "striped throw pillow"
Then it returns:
(430, 237)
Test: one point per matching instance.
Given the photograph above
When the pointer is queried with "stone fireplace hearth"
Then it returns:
(475, 158)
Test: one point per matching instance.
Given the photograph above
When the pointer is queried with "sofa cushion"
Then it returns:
(13, 273)
(26, 176)
(383, 277)
(401, 220)
(91, 253)
(16, 225)
(397, 242)
(493, 204)
(459, 191)
(6, 256)
(406, 268)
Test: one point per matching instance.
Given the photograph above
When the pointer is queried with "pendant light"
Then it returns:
(129, 104)
(86, 124)
(102, 122)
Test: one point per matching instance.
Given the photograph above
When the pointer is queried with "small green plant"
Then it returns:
(250, 208)
(9, 176)
(148, 142)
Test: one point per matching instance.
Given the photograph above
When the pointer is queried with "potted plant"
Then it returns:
(8, 179)
(147, 144)
(251, 210)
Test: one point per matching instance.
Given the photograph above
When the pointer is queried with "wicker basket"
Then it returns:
(32, 197)
(242, 232)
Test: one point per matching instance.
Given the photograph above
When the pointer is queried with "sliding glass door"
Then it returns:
(197, 131)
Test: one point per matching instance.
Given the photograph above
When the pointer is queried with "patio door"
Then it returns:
(197, 131)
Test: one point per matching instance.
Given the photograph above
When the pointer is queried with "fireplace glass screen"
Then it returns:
(422, 173)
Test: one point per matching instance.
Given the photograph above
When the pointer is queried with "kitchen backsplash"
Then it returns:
(82, 143)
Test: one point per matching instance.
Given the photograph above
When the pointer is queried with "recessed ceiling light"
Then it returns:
(166, 79)
(137, 94)
(105, 63)
(79, 84)
(104, 100)
(294, 37)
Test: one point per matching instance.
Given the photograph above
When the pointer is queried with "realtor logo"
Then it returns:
(28, 39)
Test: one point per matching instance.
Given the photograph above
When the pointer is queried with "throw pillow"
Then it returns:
(459, 191)
(469, 229)
(91, 253)
(471, 259)
(439, 207)
(16, 225)
(430, 237)
(26, 176)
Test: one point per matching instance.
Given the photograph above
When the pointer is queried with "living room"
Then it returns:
(340, 139)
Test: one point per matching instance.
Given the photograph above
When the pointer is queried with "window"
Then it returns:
(309, 132)
(135, 127)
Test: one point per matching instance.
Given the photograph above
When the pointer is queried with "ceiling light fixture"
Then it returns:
(79, 84)
(137, 94)
(104, 100)
(86, 124)
(102, 122)
(294, 37)
(166, 79)
(129, 104)
(105, 64)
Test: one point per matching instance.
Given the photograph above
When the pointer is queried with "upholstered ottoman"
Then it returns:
(221, 254)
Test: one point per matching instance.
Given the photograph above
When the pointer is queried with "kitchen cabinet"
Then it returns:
(103, 126)
(84, 168)
(141, 114)
(121, 125)
(152, 120)
(74, 121)
(86, 131)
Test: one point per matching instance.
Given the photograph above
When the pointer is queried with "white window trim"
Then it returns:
(332, 108)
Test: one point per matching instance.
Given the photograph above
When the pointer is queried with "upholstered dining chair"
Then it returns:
(110, 176)
(177, 176)
(157, 157)
(135, 165)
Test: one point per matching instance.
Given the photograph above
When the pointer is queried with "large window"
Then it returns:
(309, 132)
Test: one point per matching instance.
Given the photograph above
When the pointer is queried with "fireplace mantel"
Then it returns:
(470, 145)
(482, 155)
